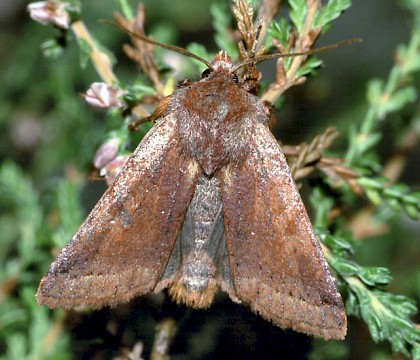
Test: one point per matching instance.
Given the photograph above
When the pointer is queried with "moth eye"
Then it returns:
(205, 73)
(235, 78)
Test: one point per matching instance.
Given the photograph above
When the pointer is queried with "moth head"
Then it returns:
(221, 65)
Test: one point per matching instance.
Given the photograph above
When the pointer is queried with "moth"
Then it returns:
(206, 201)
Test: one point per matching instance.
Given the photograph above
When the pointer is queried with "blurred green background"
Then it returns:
(48, 139)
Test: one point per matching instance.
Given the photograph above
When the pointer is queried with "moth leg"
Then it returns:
(159, 112)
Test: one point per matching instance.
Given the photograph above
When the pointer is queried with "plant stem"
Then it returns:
(100, 59)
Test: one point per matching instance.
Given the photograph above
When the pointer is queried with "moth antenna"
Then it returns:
(309, 52)
(157, 43)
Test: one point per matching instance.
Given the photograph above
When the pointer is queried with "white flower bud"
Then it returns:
(104, 96)
(50, 12)
(111, 171)
(107, 152)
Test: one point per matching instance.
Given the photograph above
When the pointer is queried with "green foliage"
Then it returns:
(126, 9)
(52, 48)
(305, 17)
(21, 199)
(85, 52)
(71, 214)
(222, 23)
(330, 350)
(331, 11)
(397, 196)
(309, 66)
(279, 30)
(385, 98)
(137, 91)
(27, 331)
(74, 8)
(387, 315)
(298, 12)
(201, 51)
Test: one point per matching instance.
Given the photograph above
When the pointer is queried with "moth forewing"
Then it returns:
(276, 261)
(122, 248)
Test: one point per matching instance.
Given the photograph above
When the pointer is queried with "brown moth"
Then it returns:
(205, 201)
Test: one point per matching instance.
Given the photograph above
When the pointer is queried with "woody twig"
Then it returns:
(305, 158)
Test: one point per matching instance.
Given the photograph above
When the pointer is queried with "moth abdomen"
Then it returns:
(198, 262)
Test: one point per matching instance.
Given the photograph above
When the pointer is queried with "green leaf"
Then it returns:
(201, 51)
(412, 211)
(309, 65)
(386, 314)
(394, 204)
(331, 11)
(412, 199)
(401, 304)
(42, 328)
(375, 89)
(396, 196)
(416, 351)
(346, 267)
(70, 210)
(409, 55)
(126, 9)
(18, 192)
(222, 19)
(398, 100)
(279, 30)
(352, 305)
(73, 8)
(374, 276)
(85, 51)
(369, 141)
(374, 197)
(137, 91)
(336, 243)
(12, 316)
(323, 204)
(16, 346)
(376, 183)
(52, 49)
(298, 11)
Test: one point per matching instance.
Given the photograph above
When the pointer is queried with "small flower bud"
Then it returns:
(104, 96)
(107, 152)
(111, 171)
(50, 12)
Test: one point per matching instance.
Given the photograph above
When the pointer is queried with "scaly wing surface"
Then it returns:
(122, 248)
(277, 264)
